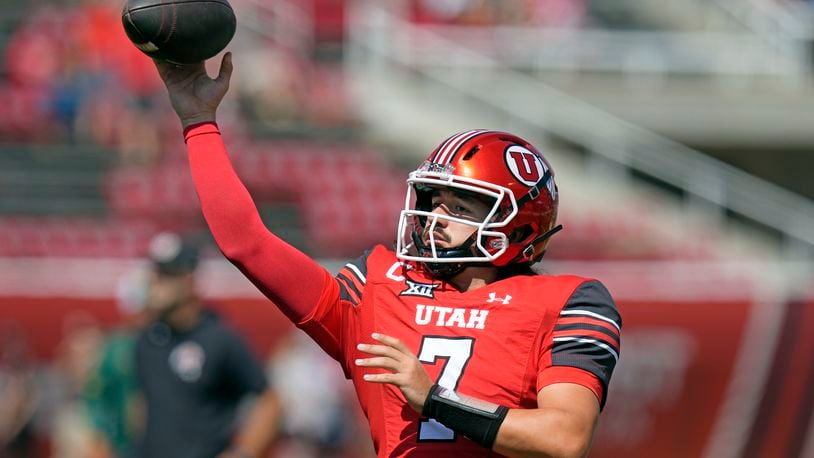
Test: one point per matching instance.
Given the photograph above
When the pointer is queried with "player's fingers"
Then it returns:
(381, 362)
(381, 378)
(380, 350)
(226, 67)
(391, 341)
(173, 73)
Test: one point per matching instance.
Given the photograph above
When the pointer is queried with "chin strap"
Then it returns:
(444, 269)
(528, 252)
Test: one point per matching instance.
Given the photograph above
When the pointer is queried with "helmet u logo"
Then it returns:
(526, 166)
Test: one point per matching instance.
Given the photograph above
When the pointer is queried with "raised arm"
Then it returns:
(275, 267)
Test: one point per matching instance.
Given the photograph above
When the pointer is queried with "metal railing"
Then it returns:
(388, 42)
(772, 20)
(711, 53)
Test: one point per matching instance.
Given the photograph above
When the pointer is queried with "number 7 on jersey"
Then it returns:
(457, 351)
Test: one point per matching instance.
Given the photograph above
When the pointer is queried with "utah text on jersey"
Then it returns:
(450, 316)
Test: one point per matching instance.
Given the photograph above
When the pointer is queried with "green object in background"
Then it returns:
(111, 395)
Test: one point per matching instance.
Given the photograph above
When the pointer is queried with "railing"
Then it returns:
(388, 42)
(785, 29)
(577, 49)
(769, 18)
(730, 38)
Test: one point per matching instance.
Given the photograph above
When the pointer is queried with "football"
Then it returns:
(179, 31)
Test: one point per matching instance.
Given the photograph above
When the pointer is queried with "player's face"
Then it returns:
(167, 292)
(450, 234)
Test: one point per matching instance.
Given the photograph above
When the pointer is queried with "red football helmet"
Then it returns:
(502, 169)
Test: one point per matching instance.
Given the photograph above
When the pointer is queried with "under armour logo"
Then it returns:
(493, 298)
(419, 289)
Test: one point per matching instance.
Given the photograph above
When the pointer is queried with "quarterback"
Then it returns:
(455, 346)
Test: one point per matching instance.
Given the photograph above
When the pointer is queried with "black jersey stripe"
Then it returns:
(352, 292)
(612, 336)
(359, 267)
(589, 310)
(586, 345)
(351, 270)
(592, 300)
(591, 358)
(352, 279)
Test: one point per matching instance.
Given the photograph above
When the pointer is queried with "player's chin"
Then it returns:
(438, 240)
(439, 244)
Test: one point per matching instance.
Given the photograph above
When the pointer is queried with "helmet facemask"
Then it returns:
(503, 170)
(485, 244)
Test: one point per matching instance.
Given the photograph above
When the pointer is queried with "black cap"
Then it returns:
(172, 255)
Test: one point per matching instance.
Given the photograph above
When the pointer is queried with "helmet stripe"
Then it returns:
(459, 147)
(456, 144)
(440, 148)
(453, 145)
(441, 152)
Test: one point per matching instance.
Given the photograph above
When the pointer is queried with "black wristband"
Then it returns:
(476, 419)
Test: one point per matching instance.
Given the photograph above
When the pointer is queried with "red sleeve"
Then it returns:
(327, 323)
(331, 323)
(288, 277)
(567, 374)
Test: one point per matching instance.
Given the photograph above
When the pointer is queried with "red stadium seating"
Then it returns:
(74, 237)
(347, 200)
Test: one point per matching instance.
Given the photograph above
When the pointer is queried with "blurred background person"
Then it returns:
(321, 424)
(63, 404)
(19, 394)
(113, 400)
(194, 371)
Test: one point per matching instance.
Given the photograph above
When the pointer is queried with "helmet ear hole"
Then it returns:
(521, 233)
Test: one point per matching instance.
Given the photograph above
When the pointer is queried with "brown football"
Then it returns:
(179, 31)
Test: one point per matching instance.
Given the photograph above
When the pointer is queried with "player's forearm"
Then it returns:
(226, 204)
(562, 425)
(275, 267)
(260, 426)
(543, 433)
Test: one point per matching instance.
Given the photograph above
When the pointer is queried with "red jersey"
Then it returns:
(502, 342)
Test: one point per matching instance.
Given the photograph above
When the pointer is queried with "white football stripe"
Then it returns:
(591, 341)
(592, 314)
(357, 271)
